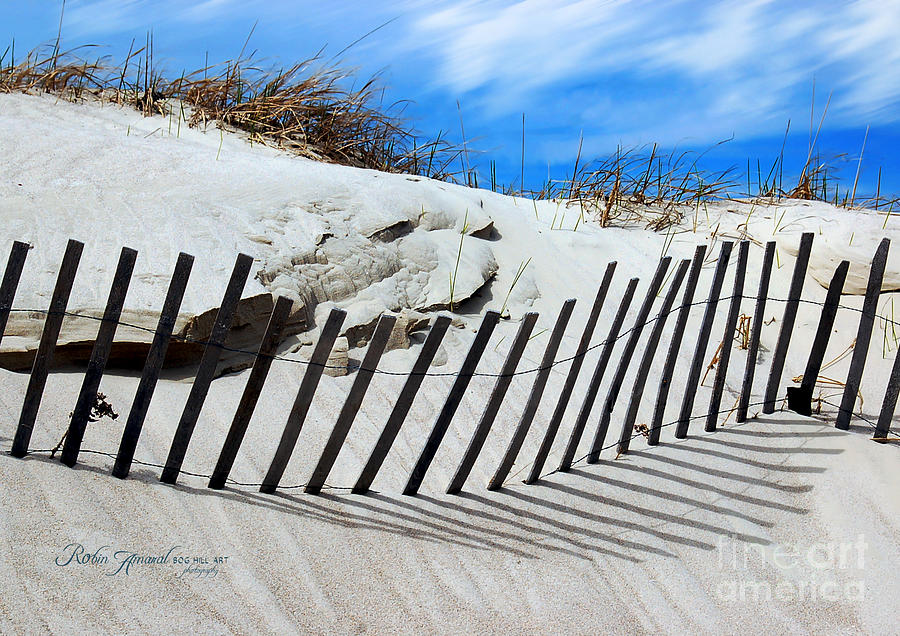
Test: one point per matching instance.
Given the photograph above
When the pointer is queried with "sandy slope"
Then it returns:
(653, 541)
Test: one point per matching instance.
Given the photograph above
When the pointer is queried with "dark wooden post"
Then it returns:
(753, 350)
(152, 366)
(569, 454)
(479, 436)
(612, 394)
(534, 398)
(212, 351)
(787, 323)
(734, 311)
(800, 398)
(351, 404)
(99, 356)
(11, 277)
(709, 315)
(640, 380)
(863, 335)
(577, 362)
(44, 357)
(442, 423)
(302, 402)
(883, 426)
(402, 405)
(662, 396)
(251, 393)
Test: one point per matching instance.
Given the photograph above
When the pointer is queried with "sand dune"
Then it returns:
(778, 524)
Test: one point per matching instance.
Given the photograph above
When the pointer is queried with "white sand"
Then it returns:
(655, 541)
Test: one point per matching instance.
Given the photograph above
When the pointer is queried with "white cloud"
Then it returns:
(528, 43)
(744, 65)
(865, 43)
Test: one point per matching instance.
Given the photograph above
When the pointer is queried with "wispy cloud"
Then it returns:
(745, 65)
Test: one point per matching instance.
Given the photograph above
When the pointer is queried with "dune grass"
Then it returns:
(311, 108)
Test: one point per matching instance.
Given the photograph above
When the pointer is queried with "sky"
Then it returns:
(600, 73)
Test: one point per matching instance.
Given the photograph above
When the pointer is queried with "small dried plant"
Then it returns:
(99, 409)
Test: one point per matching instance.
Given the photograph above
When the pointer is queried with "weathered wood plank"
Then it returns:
(351, 404)
(665, 383)
(863, 335)
(252, 390)
(207, 369)
(734, 311)
(612, 393)
(753, 350)
(152, 366)
(403, 404)
(640, 380)
(800, 398)
(11, 277)
(302, 402)
(479, 436)
(534, 398)
(889, 404)
(779, 356)
(709, 315)
(99, 356)
(572, 377)
(569, 454)
(457, 390)
(43, 359)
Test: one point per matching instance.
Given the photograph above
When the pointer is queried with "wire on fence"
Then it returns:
(348, 367)
(47, 451)
(854, 414)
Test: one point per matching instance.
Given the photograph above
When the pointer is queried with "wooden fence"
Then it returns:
(686, 272)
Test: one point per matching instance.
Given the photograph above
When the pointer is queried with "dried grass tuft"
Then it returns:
(654, 189)
(311, 109)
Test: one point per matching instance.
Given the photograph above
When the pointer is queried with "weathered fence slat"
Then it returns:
(99, 356)
(351, 404)
(800, 398)
(709, 315)
(569, 454)
(640, 380)
(863, 335)
(758, 317)
(11, 277)
(457, 390)
(43, 359)
(302, 402)
(250, 396)
(577, 362)
(734, 310)
(883, 426)
(402, 405)
(152, 366)
(534, 398)
(612, 393)
(212, 351)
(479, 436)
(779, 356)
(665, 383)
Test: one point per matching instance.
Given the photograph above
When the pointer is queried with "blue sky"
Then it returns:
(683, 74)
